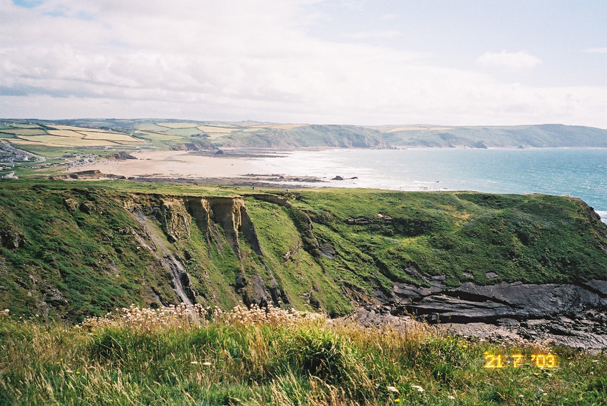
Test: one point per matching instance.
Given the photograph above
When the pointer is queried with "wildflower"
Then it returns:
(392, 389)
(419, 388)
(451, 397)
(397, 400)
(7, 311)
(194, 362)
(207, 363)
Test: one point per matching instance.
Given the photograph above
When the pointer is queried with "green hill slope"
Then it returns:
(333, 136)
(73, 249)
(61, 138)
(530, 136)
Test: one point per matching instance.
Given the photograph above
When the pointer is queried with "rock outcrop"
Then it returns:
(219, 219)
(568, 314)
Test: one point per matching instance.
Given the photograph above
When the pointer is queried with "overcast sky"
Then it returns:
(457, 62)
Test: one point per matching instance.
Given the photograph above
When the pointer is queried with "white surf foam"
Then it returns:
(603, 215)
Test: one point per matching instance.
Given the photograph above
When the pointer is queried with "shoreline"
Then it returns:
(237, 167)
(331, 167)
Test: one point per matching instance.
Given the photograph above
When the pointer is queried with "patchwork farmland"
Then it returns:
(64, 136)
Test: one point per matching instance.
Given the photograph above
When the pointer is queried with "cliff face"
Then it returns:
(220, 221)
(70, 250)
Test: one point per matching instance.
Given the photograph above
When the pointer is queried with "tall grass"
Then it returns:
(190, 355)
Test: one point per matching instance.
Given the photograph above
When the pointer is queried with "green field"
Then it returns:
(158, 136)
(61, 136)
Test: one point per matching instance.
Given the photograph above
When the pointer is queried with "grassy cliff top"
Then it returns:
(71, 249)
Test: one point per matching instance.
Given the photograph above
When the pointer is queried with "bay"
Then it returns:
(574, 172)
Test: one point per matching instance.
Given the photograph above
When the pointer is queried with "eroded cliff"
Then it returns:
(71, 250)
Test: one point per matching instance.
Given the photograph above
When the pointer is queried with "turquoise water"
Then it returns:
(575, 172)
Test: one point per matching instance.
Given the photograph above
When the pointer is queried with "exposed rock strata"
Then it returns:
(572, 315)
(219, 219)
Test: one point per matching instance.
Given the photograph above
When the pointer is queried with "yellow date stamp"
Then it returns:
(542, 361)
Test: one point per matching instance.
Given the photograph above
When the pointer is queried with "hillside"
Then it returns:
(530, 136)
(73, 249)
(61, 138)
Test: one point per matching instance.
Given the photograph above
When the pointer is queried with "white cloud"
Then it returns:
(354, 4)
(244, 59)
(373, 34)
(596, 50)
(509, 60)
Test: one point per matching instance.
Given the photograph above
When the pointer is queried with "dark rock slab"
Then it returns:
(448, 308)
(571, 315)
(532, 301)
(597, 286)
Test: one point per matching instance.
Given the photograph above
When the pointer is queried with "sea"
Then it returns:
(574, 172)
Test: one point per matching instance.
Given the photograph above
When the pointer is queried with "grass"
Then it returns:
(181, 356)
(177, 125)
(60, 141)
(158, 137)
(80, 239)
(67, 252)
(60, 136)
(529, 238)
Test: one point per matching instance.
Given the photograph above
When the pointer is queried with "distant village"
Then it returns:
(10, 155)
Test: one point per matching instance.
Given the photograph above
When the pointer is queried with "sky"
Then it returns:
(363, 62)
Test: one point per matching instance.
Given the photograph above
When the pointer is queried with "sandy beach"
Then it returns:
(175, 164)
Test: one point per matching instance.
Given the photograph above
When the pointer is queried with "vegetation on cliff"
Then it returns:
(74, 249)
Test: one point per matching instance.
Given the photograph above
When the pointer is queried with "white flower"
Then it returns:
(419, 388)
(194, 362)
(206, 363)
(451, 397)
(392, 389)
